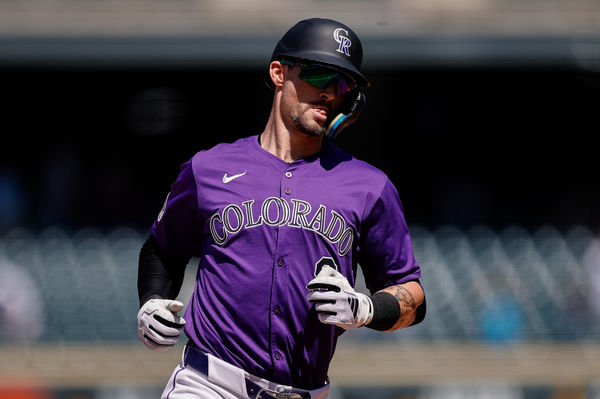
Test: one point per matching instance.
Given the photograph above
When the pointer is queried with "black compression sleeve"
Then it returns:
(159, 275)
(386, 311)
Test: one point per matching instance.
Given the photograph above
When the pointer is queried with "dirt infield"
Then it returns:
(353, 365)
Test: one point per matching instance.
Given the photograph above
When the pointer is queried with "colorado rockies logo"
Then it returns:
(341, 36)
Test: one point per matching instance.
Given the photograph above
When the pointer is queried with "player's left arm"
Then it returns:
(386, 257)
(410, 297)
(389, 309)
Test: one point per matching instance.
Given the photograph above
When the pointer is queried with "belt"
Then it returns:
(199, 360)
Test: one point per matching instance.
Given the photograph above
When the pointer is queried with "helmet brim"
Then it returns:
(329, 60)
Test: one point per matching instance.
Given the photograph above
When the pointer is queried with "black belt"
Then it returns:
(199, 361)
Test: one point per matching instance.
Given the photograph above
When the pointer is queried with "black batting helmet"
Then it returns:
(325, 41)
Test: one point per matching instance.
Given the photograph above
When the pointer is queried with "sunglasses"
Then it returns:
(322, 76)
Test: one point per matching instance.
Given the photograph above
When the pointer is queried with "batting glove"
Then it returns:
(336, 301)
(159, 326)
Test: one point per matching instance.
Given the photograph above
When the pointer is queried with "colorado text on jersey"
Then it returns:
(275, 212)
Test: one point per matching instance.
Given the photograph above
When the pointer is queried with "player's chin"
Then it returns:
(317, 128)
(316, 132)
(311, 127)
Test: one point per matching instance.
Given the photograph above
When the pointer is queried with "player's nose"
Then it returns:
(328, 92)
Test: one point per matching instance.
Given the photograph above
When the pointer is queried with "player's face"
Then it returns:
(310, 108)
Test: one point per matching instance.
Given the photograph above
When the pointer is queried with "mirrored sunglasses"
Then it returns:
(322, 76)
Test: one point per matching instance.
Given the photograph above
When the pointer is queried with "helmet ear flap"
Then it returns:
(356, 102)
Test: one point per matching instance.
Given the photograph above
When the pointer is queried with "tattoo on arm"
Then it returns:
(404, 296)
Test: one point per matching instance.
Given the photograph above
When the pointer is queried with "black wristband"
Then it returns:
(386, 311)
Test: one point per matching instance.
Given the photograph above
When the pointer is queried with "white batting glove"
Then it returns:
(336, 301)
(159, 326)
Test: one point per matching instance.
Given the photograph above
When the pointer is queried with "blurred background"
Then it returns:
(482, 112)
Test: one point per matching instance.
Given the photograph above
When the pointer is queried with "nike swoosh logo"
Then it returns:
(227, 179)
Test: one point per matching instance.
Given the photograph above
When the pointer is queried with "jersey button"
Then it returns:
(280, 262)
(277, 355)
(288, 191)
(276, 309)
(288, 174)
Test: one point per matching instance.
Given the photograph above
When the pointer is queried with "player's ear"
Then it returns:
(276, 71)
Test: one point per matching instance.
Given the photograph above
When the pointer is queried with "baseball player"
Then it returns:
(280, 222)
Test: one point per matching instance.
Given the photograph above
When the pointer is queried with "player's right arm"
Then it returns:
(160, 277)
(162, 263)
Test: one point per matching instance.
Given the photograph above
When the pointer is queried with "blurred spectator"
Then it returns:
(21, 309)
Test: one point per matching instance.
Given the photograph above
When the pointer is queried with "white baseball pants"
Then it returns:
(224, 381)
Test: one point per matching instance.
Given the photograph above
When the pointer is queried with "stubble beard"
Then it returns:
(307, 126)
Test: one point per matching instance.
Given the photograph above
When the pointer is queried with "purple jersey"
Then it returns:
(261, 228)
